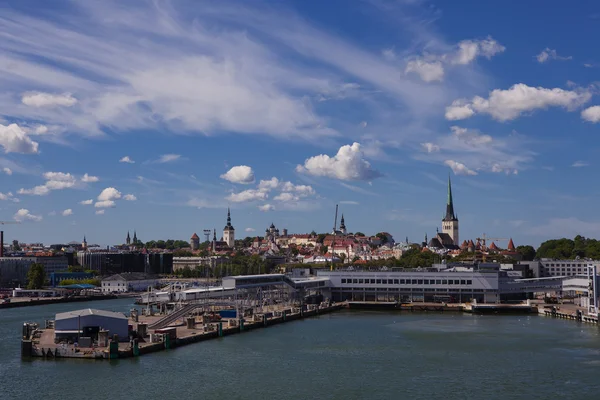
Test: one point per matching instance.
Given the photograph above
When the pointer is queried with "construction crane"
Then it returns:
(2, 235)
(483, 240)
(207, 234)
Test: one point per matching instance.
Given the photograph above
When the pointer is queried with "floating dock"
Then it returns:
(143, 340)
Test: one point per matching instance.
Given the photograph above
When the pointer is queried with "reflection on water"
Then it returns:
(347, 355)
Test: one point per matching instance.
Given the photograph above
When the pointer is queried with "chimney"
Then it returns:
(1, 243)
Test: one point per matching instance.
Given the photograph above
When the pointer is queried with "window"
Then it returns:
(354, 280)
(378, 281)
(360, 281)
(343, 281)
(469, 282)
(396, 281)
(384, 281)
(444, 282)
(420, 282)
(438, 282)
(463, 282)
(402, 281)
(414, 281)
(426, 281)
(372, 280)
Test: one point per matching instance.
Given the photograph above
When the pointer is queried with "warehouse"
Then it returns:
(88, 322)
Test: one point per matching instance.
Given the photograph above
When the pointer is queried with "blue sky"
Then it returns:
(369, 104)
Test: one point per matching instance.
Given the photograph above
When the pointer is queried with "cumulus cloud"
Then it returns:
(14, 139)
(86, 202)
(129, 197)
(469, 50)
(110, 193)
(250, 230)
(266, 207)
(270, 184)
(89, 178)
(67, 212)
(247, 195)
(239, 174)
(591, 114)
(7, 171)
(127, 160)
(430, 147)
(54, 181)
(105, 204)
(100, 212)
(106, 198)
(302, 190)
(505, 105)
(430, 67)
(428, 71)
(165, 158)
(286, 196)
(40, 99)
(579, 164)
(348, 164)
(24, 215)
(550, 54)
(459, 168)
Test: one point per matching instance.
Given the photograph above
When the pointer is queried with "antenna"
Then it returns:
(207, 234)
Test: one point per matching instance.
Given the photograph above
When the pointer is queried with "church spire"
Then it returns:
(450, 216)
(228, 217)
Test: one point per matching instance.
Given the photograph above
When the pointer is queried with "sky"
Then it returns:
(156, 116)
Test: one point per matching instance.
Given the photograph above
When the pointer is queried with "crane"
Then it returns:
(485, 238)
(2, 235)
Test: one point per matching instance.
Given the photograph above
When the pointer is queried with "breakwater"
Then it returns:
(55, 300)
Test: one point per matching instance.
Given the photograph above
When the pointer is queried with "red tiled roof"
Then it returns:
(511, 245)
(195, 236)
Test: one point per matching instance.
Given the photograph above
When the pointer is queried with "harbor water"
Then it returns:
(344, 355)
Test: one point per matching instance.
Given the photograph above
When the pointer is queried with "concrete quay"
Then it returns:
(41, 301)
(42, 344)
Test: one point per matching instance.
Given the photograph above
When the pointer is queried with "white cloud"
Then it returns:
(129, 197)
(100, 212)
(86, 202)
(363, 124)
(39, 99)
(504, 105)
(110, 193)
(105, 204)
(301, 190)
(459, 168)
(165, 158)
(239, 174)
(67, 212)
(15, 140)
(350, 202)
(7, 171)
(8, 196)
(89, 178)
(579, 164)
(347, 164)
(468, 50)
(286, 196)
(24, 215)
(266, 208)
(430, 67)
(389, 54)
(250, 230)
(428, 71)
(247, 195)
(591, 114)
(54, 181)
(40, 130)
(127, 160)
(550, 54)
(270, 184)
(52, 213)
(430, 147)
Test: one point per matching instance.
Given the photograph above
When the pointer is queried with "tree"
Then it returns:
(359, 234)
(313, 233)
(321, 238)
(75, 268)
(383, 237)
(527, 252)
(36, 276)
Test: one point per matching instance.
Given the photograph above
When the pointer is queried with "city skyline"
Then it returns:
(158, 117)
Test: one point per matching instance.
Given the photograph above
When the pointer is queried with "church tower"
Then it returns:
(84, 243)
(229, 231)
(450, 221)
(343, 225)
(128, 239)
